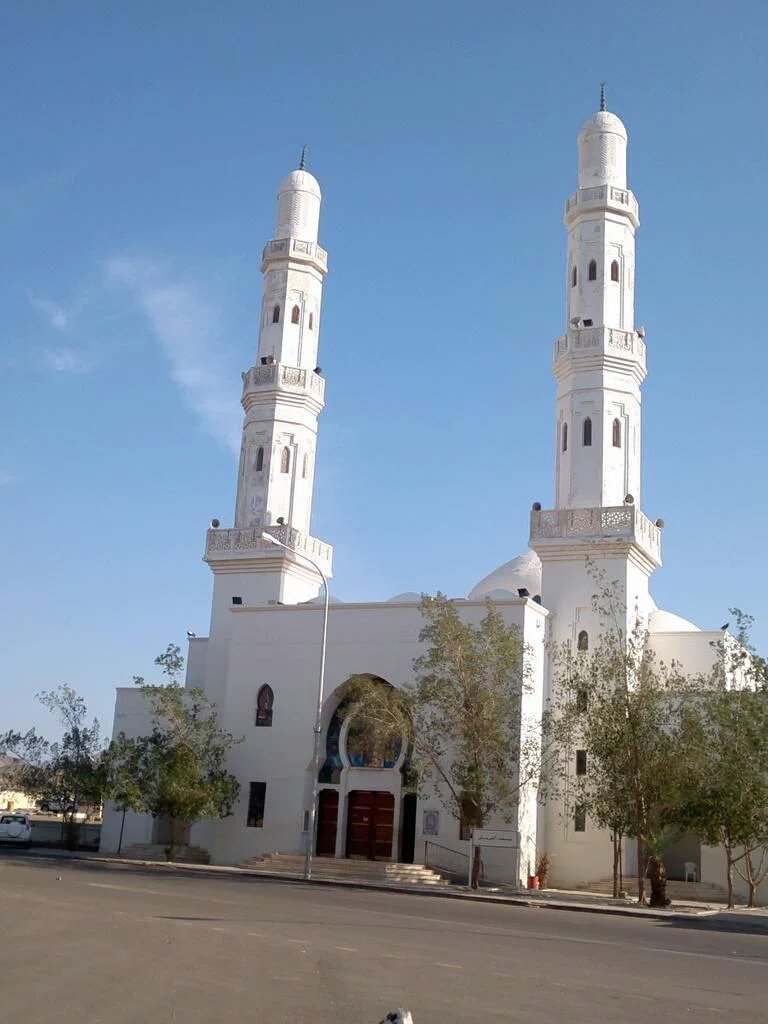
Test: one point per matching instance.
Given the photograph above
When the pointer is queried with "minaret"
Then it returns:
(282, 398)
(599, 365)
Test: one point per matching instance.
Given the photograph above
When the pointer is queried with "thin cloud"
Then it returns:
(7, 478)
(65, 360)
(56, 314)
(187, 329)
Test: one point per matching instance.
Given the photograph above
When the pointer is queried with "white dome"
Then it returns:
(407, 597)
(301, 181)
(522, 572)
(320, 599)
(603, 151)
(660, 621)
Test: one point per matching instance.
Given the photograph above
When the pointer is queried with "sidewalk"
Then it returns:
(741, 918)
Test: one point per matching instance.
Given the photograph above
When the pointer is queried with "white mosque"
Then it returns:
(260, 660)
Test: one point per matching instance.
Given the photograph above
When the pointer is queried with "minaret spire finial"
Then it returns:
(602, 95)
(303, 161)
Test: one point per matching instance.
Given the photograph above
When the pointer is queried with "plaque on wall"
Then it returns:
(431, 825)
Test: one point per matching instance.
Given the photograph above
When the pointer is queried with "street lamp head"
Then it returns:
(270, 538)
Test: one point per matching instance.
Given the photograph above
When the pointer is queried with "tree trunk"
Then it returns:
(477, 867)
(173, 843)
(120, 840)
(616, 855)
(729, 874)
(642, 867)
(658, 877)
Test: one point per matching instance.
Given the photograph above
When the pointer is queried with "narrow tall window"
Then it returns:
(615, 270)
(256, 798)
(311, 321)
(574, 276)
(265, 702)
(259, 460)
(295, 314)
(582, 699)
(580, 818)
(276, 315)
(581, 762)
(582, 644)
(305, 466)
(285, 460)
(616, 433)
(565, 437)
(587, 433)
(593, 270)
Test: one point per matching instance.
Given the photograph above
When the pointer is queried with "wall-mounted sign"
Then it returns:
(431, 825)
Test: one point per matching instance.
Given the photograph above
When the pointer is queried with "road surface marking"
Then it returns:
(453, 967)
(300, 942)
(346, 949)
(394, 956)
(256, 935)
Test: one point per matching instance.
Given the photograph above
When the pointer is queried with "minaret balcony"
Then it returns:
(279, 377)
(295, 249)
(585, 343)
(587, 526)
(239, 545)
(602, 197)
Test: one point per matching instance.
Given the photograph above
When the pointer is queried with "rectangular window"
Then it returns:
(580, 818)
(581, 762)
(256, 804)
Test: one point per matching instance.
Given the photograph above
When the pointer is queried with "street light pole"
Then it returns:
(318, 726)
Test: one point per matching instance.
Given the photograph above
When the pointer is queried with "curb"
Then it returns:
(212, 871)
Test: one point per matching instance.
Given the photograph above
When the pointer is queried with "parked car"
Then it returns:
(55, 807)
(15, 828)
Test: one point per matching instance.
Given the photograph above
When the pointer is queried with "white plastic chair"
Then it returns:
(690, 871)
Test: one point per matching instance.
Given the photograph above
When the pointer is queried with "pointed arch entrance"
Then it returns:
(360, 808)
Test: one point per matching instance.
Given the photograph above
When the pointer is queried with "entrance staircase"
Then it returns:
(347, 870)
(693, 892)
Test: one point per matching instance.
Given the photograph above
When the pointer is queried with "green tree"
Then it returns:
(177, 772)
(69, 772)
(624, 709)
(462, 718)
(727, 786)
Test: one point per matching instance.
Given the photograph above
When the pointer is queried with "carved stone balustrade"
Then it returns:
(586, 525)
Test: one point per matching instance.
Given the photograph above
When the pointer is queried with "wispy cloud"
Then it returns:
(7, 478)
(56, 314)
(188, 330)
(65, 360)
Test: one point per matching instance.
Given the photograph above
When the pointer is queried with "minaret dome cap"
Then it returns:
(301, 181)
(603, 151)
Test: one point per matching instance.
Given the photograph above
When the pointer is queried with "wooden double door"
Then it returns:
(370, 824)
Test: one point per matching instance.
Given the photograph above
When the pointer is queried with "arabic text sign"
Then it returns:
(504, 837)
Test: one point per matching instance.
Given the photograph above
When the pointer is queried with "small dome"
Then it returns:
(603, 122)
(320, 599)
(301, 181)
(522, 572)
(660, 621)
(407, 597)
(603, 151)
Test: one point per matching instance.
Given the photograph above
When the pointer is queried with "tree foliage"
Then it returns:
(178, 772)
(69, 772)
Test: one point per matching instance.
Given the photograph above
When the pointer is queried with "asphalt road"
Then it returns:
(87, 944)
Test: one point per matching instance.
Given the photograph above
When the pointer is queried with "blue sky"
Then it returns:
(143, 145)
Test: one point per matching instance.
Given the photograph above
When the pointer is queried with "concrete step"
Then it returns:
(156, 851)
(359, 870)
(705, 892)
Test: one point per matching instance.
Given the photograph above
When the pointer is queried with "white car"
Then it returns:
(15, 828)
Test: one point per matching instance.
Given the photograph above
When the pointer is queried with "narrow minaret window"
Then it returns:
(593, 270)
(615, 270)
(587, 433)
(305, 466)
(616, 434)
(259, 460)
(276, 315)
(565, 437)
(285, 460)
(574, 277)
(311, 321)
(582, 644)
(295, 314)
